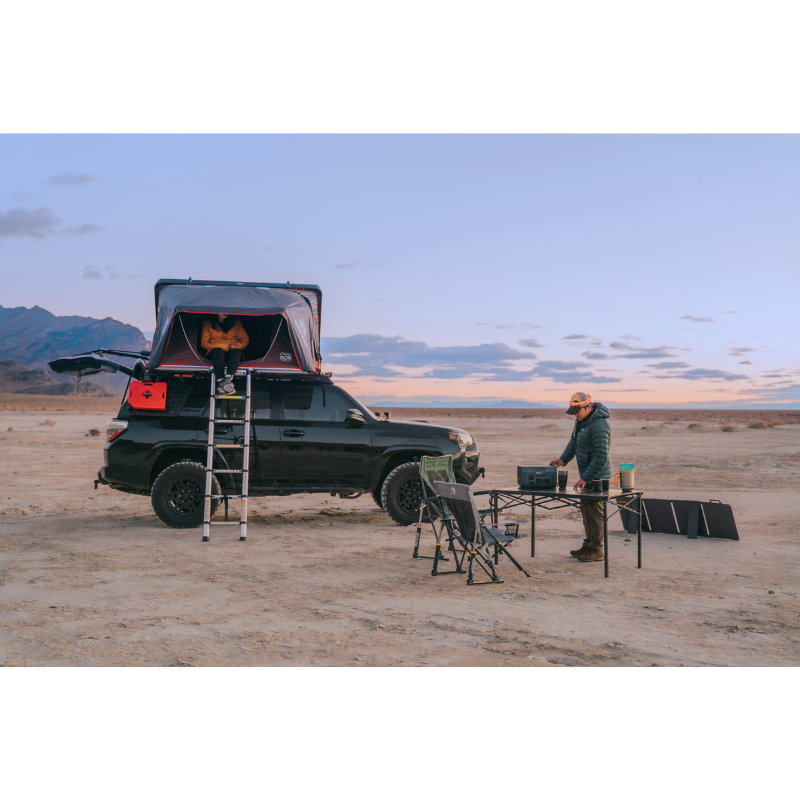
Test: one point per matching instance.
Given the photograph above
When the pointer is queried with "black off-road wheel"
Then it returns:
(179, 493)
(401, 494)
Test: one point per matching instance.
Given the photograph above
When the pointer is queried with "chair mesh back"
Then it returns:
(435, 468)
(458, 498)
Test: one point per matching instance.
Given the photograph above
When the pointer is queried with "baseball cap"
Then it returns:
(578, 401)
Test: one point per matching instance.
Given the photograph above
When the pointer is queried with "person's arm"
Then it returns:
(601, 444)
(242, 339)
(569, 452)
(205, 337)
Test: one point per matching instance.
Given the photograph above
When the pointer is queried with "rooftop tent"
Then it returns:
(282, 323)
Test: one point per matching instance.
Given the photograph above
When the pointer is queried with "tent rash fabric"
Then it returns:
(298, 317)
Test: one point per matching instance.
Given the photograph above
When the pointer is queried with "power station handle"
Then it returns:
(294, 433)
(616, 479)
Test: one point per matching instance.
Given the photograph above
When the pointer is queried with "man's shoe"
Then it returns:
(591, 555)
(579, 552)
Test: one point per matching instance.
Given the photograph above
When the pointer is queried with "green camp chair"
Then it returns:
(432, 468)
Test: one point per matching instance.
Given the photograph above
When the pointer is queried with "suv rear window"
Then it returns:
(314, 404)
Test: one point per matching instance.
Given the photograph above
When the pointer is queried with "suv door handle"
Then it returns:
(294, 433)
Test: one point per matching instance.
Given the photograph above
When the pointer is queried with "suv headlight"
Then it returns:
(461, 439)
(114, 427)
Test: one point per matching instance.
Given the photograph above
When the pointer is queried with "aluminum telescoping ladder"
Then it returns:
(244, 447)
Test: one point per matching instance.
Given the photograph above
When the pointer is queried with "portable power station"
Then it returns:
(537, 477)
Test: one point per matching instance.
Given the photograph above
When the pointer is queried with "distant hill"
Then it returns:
(32, 337)
(16, 379)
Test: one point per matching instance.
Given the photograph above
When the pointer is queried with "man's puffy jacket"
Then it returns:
(212, 337)
(591, 443)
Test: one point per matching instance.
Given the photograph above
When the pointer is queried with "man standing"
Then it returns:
(591, 443)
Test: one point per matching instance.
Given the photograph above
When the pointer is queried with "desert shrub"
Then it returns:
(47, 422)
(728, 428)
(695, 426)
(758, 424)
(94, 432)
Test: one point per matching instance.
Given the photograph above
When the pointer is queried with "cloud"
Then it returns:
(730, 312)
(630, 337)
(569, 372)
(575, 336)
(383, 357)
(745, 362)
(35, 223)
(109, 271)
(642, 352)
(83, 230)
(530, 343)
(775, 394)
(690, 318)
(592, 356)
(355, 264)
(738, 352)
(69, 179)
(704, 374)
(374, 355)
(670, 365)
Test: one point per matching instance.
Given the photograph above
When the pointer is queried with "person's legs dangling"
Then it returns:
(234, 357)
(218, 357)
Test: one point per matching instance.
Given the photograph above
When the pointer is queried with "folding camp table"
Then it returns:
(552, 499)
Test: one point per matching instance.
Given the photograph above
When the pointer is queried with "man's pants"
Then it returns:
(218, 356)
(592, 513)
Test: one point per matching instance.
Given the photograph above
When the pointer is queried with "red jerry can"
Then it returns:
(147, 396)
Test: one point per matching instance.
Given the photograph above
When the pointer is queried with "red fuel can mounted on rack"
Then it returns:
(147, 396)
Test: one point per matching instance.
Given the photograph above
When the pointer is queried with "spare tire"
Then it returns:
(401, 494)
(178, 494)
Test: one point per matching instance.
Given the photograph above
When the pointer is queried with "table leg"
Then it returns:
(495, 512)
(533, 527)
(639, 530)
(605, 534)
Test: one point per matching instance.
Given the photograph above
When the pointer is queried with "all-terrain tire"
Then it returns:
(376, 496)
(401, 493)
(178, 494)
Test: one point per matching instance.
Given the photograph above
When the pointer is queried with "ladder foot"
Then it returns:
(205, 538)
(242, 538)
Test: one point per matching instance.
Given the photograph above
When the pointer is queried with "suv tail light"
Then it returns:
(114, 427)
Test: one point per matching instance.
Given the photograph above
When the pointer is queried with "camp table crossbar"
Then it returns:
(553, 499)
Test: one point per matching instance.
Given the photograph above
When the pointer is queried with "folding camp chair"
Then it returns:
(465, 526)
(432, 468)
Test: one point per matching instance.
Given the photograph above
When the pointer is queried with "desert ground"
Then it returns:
(92, 578)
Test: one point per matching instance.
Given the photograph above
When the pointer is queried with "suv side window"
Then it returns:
(314, 404)
(261, 404)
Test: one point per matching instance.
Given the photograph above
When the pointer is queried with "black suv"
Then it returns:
(307, 435)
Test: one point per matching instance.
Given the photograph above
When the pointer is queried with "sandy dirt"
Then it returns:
(93, 578)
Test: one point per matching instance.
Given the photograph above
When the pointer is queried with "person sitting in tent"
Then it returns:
(224, 338)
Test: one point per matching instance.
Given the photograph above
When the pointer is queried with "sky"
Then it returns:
(645, 270)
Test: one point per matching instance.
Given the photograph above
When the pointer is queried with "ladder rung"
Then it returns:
(223, 421)
(228, 470)
(227, 445)
(231, 397)
(227, 523)
(228, 495)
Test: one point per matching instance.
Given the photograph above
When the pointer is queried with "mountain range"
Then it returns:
(31, 337)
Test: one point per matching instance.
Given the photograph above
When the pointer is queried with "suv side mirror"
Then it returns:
(354, 415)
